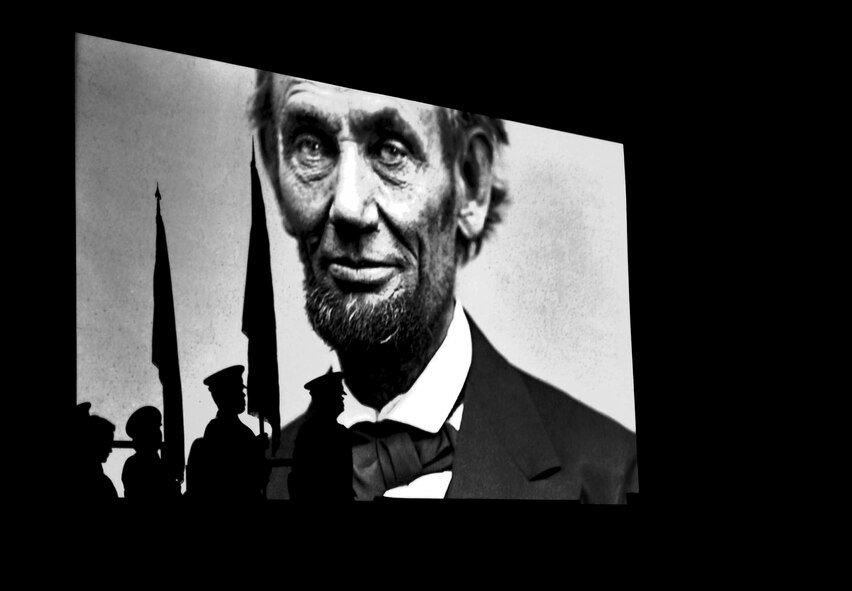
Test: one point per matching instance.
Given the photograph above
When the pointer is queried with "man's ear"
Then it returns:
(268, 155)
(477, 177)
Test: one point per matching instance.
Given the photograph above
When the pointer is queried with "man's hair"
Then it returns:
(454, 128)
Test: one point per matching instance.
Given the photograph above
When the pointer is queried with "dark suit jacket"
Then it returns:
(521, 438)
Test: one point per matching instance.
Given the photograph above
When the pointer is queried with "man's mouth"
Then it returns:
(365, 272)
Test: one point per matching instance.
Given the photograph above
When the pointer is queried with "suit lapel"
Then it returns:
(503, 450)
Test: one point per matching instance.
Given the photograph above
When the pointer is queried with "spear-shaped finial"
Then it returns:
(157, 194)
(252, 150)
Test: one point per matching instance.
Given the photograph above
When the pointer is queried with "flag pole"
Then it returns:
(260, 412)
(259, 321)
(165, 355)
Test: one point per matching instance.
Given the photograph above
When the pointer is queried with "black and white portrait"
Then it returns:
(409, 255)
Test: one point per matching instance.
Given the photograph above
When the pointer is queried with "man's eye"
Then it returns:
(392, 153)
(310, 150)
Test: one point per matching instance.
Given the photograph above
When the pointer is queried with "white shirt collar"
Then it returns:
(430, 399)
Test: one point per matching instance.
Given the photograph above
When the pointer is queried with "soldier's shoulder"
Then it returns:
(289, 432)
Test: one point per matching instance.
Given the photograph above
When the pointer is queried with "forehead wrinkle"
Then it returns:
(309, 99)
(415, 115)
(340, 105)
(294, 86)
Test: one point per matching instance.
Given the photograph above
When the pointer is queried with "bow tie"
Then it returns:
(389, 454)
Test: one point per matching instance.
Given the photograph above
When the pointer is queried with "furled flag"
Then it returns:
(165, 355)
(259, 319)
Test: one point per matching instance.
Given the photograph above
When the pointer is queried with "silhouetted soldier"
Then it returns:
(145, 476)
(322, 453)
(94, 436)
(228, 463)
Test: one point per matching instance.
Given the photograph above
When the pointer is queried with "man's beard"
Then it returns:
(404, 322)
(382, 345)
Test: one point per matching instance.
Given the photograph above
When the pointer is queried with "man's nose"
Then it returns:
(353, 203)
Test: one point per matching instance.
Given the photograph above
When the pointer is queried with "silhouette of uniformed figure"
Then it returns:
(145, 476)
(322, 452)
(94, 437)
(228, 463)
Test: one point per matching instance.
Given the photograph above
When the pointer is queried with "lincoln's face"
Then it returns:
(364, 189)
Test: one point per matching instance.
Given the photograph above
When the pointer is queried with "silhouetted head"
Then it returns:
(82, 410)
(327, 393)
(143, 427)
(97, 438)
(228, 390)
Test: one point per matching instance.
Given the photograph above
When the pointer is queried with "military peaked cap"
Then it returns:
(230, 376)
(329, 382)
